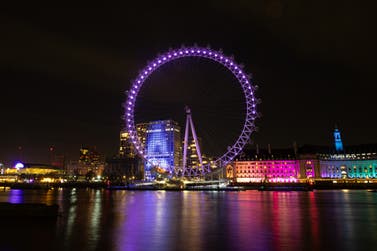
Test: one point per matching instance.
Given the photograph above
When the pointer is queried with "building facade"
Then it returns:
(163, 147)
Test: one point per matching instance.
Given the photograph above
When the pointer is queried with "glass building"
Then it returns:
(162, 147)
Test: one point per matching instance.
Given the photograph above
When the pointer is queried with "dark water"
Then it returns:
(191, 220)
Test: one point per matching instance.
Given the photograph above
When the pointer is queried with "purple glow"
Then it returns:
(19, 165)
(196, 52)
(272, 170)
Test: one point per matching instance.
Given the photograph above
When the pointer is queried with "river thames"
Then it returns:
(194, 220)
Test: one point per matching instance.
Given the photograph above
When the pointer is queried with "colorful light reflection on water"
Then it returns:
(191, 220)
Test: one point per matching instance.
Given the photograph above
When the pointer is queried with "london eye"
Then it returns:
(248, 90)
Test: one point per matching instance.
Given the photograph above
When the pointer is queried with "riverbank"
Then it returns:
(318, 185)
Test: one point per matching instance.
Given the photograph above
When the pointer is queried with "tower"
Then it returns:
(338, 140)
(190, 124)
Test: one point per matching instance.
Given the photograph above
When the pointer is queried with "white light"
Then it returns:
(150, 68)
(19, 165)
(154, 65)
(142, 77)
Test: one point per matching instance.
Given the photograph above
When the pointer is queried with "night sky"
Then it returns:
(64, 72)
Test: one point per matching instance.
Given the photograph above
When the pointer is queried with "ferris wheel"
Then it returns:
(217, 57)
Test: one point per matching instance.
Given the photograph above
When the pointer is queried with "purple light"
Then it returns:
(196, 52)
(19, 165)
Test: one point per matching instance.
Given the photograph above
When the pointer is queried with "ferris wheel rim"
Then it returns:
(215, 56)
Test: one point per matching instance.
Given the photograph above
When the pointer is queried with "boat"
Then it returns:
(285, 188)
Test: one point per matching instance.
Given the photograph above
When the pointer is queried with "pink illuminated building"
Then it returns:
(266, 171)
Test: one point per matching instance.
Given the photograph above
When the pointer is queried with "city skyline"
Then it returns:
(64, 80)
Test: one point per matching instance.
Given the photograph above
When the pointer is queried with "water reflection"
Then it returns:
(15, 196)
(191, 220)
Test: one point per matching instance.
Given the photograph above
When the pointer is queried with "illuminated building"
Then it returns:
(308, 163)
(192, 154)
(141, 129)
(357, 162)
(266, 171)
(126, 149)
(338, 140)
(90, 162)
(162, 146)
(33, 169)
(265, 165)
